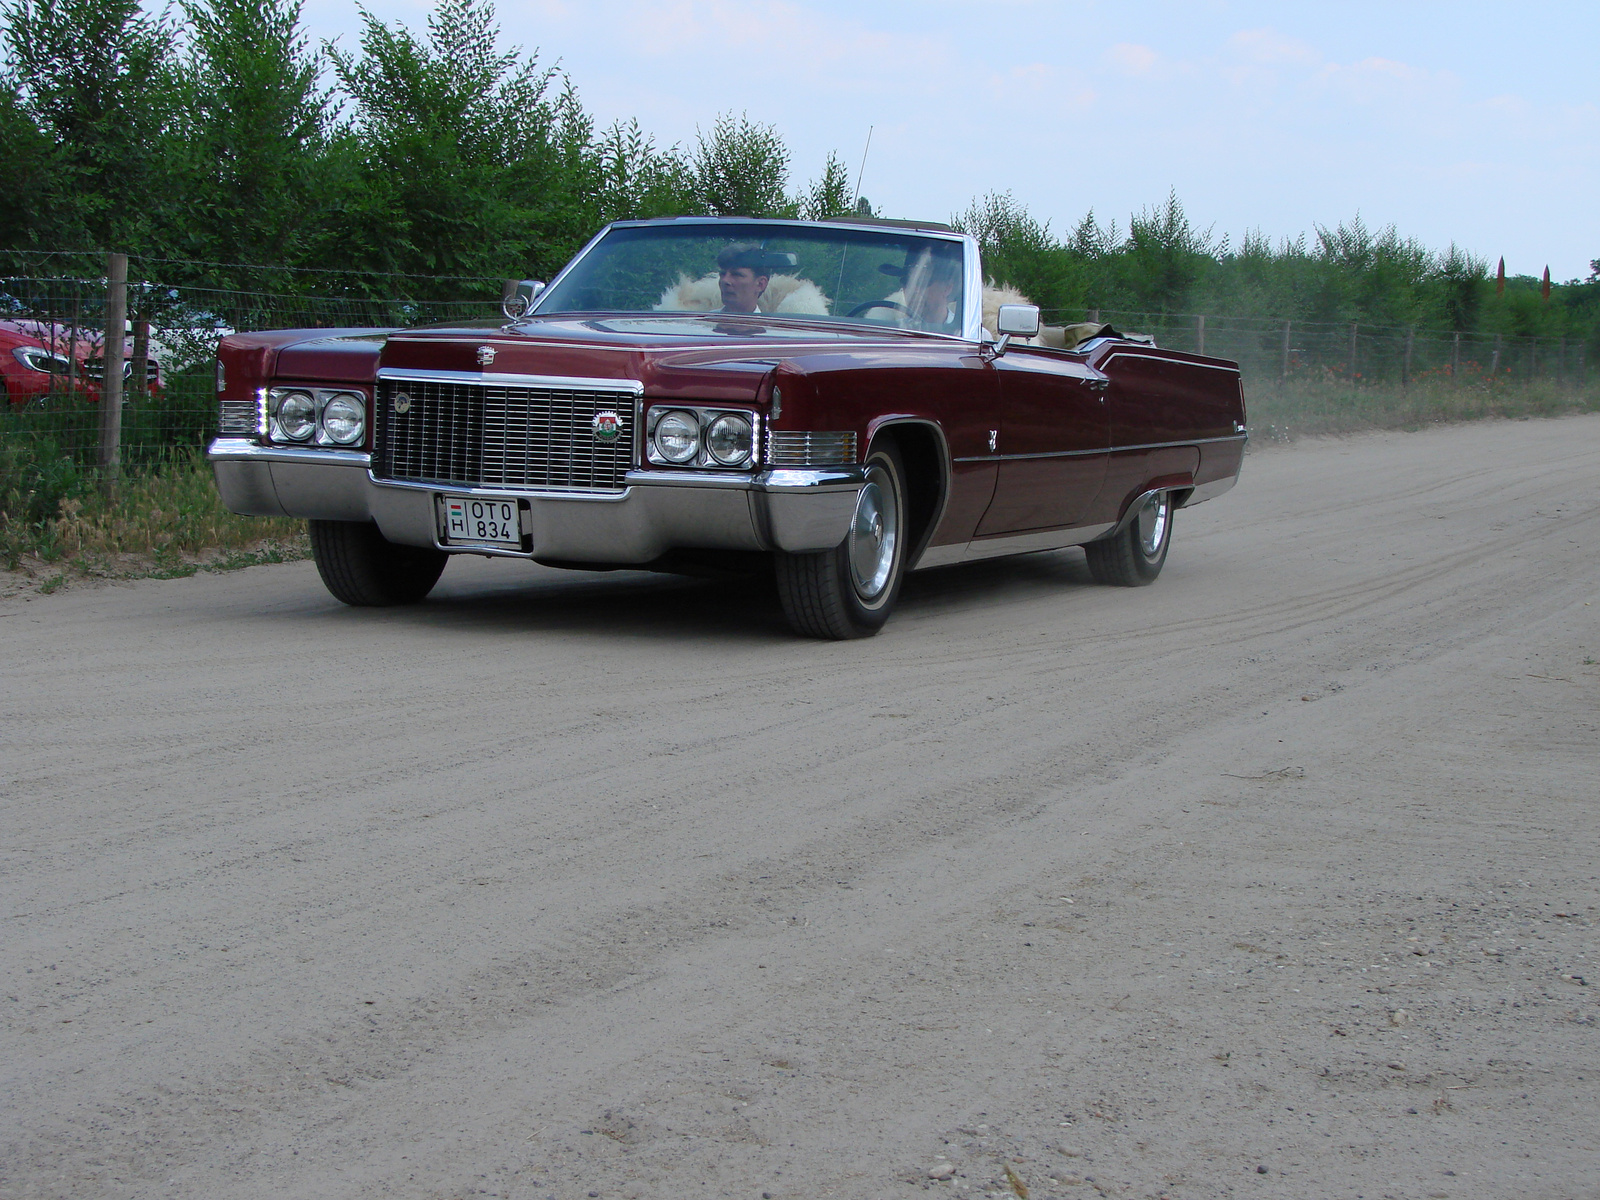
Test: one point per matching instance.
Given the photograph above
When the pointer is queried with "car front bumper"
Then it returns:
(794, 509)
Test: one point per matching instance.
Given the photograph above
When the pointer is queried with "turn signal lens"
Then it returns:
(344, 420)
(731, 440)
(297, 416)
(677, 437)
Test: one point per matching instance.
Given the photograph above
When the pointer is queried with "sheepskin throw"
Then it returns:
(784, 294)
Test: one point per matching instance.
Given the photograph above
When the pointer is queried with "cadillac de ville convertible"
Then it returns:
(845, 400)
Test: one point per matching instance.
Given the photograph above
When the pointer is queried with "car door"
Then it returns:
(1052, 443)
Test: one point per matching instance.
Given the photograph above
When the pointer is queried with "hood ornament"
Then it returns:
(485, 355)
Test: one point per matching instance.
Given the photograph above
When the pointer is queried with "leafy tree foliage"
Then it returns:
(93, 94)
(261, 132)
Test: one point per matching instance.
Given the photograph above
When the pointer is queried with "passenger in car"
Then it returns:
(931, 286)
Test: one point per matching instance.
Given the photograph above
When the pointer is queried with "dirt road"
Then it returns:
(1276, 879)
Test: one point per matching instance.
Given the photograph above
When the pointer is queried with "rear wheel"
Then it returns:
(849, 591)
(1135, 556)
(362, 567)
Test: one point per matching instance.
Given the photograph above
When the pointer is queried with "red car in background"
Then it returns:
(34, 362)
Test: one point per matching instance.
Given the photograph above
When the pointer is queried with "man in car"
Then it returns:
(742, 276)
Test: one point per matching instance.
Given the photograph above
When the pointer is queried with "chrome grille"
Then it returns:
(239, 416)
(95, 368)
(502, 435)
(805, 448)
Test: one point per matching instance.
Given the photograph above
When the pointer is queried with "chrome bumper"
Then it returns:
(793, 509)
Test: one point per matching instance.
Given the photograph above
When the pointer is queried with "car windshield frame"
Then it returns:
(877, 239)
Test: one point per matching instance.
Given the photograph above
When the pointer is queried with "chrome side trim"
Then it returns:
(1231, 369)
(1232, 437)
(1017, 543)
(493, 378)
(230, 449)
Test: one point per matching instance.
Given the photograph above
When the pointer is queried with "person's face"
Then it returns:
(936, 300)
(741, 288)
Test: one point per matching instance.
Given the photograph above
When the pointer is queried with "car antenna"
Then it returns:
(861, 170)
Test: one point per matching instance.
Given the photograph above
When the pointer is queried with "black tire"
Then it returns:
(363, 568)
(831, 594)
(1135, 556)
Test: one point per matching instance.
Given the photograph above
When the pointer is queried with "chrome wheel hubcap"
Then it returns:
(874, 533)
(1152, 522)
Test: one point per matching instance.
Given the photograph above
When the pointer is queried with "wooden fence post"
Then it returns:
(1200, 334)
(1455, 356)
(1405, 363)
(1094, 315)
(1561, 362)
(112, 350)
(1283, 366)
(1494, 361)
(1353, 327)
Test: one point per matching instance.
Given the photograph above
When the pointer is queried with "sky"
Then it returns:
(1476, 124)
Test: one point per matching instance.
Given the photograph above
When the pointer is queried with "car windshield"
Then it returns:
(891, 277)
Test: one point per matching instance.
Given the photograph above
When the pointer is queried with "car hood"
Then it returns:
(712, 356)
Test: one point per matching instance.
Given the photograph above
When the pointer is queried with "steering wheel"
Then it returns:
(869, 305)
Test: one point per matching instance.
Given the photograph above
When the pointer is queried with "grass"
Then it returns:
(164, 521)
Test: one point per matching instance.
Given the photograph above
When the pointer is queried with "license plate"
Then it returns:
(482, 522)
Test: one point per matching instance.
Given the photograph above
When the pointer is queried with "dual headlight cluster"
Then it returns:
(701, 437)
(327, 418)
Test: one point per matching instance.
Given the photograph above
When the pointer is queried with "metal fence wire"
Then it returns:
(52, 329)
(1271, 351)
(53, 306)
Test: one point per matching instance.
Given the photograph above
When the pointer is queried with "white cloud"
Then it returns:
(1132, 58)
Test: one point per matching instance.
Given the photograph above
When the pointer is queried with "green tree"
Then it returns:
(741, 168)
(96, 80)
(260, 174)
(471, 159)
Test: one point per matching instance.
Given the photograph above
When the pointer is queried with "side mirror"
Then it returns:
(517, 297)
(1016, 320)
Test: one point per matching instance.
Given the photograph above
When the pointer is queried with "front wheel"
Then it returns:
(849, 591)
(1135, 556)
(363, 568)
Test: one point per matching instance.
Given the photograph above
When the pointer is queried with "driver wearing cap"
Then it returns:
(742, 276)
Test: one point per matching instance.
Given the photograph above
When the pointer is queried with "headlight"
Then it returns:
(37, 358)
(677, 437)
(731, 440)
(297, 416)
(344, 420)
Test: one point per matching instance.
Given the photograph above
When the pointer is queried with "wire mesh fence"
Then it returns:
(1360, 355)
(52, 362)
(52, 358)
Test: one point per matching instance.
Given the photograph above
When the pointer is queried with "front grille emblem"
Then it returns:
(606, 426)
(485, 355)
(402, 404)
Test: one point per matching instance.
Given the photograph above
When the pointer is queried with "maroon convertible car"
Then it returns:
(846, 398)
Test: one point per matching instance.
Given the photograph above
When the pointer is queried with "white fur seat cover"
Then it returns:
(784, 294)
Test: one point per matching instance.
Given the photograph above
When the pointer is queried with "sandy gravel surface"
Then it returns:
(1276, 879)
